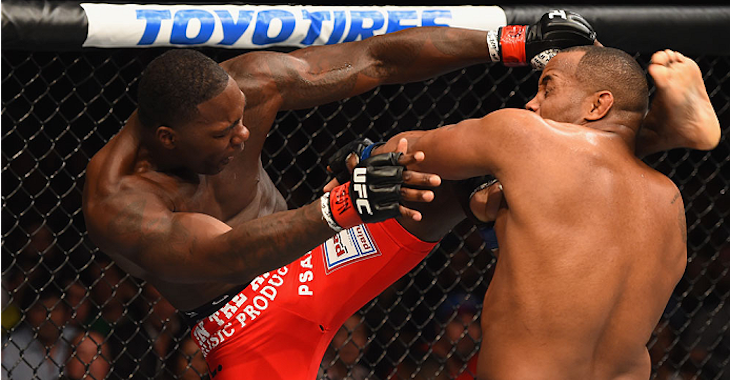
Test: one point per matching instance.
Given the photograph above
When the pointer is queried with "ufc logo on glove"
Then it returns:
(359, 177)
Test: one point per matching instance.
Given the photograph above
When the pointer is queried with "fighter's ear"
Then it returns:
(601, 103)
(166, 136)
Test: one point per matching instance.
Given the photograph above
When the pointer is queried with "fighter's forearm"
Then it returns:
(421, 53)
(270, 242)
(437, 160)
(194, 248)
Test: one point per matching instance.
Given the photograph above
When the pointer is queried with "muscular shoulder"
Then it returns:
(514, 115)
(519, 123)
(110, 179)
(115, 211)
(145, 186)
(521, 131)
(258, 73)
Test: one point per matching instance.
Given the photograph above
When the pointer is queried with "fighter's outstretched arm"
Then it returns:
(321, 74)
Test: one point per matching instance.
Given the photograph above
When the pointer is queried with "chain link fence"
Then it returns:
(68, 311)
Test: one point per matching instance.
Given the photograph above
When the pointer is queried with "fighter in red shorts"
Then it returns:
(280, 325)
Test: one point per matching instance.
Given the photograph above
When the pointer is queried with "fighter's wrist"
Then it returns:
(327, 213)
(512, 40)
(507, 45)
(370, 150)
(342, 205)
(493, 45)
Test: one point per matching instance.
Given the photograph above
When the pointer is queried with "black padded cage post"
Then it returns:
(68, 310)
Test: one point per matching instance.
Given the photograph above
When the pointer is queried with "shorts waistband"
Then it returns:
(191, 317)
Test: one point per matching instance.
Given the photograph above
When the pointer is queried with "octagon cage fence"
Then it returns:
(69, 311)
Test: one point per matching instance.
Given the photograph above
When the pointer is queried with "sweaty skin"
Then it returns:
(592, 240)
(194, 236)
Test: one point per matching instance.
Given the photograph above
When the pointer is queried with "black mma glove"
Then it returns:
(372, 196)
(362, 148)
(465, 191)
(536, 44)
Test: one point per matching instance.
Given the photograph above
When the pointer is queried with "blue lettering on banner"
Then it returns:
(315, 28)
(153, 20)
(395, 18)
(181, 22)
(232, 31)
(363, 24)
(357, 29)
(429, 17)
(339, 29)
(263, 21)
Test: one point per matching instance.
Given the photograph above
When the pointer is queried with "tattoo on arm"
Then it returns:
(130, 225)
(178, 239)
(676, 196)
(129, 220)
(450, 45)
(681, 218)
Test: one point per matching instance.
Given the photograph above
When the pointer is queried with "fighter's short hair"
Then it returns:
(174, 83)
(605, 68)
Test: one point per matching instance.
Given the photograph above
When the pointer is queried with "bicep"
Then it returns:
(163, 244)
(474, 147)
(184, 248)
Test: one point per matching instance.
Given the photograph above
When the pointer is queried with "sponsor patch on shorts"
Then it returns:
(349, 246)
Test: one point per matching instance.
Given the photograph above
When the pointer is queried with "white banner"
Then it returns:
(260, 26)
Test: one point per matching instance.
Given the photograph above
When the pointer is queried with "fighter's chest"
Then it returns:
(221, 198)
(231, 199)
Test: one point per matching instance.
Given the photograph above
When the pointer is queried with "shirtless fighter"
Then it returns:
(175, 199)
(592, 240)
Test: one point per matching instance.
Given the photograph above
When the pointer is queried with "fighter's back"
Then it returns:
(592, 244)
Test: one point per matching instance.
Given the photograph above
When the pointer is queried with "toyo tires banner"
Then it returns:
(70, 25)
(257, 26)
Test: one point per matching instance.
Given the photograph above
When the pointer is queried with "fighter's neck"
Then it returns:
(152, 157)
(620, 129)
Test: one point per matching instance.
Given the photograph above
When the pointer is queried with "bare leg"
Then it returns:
(681, 115)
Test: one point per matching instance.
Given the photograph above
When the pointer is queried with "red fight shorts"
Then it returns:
(280, 325)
